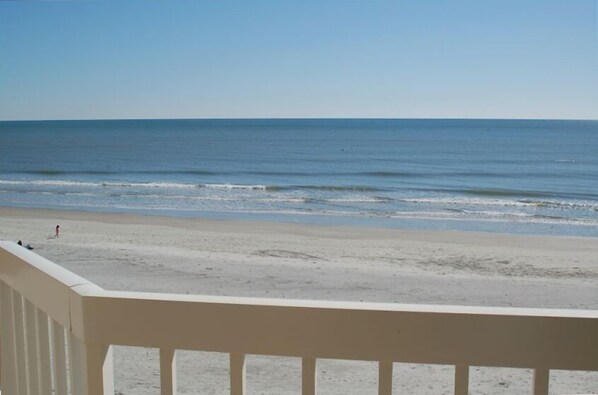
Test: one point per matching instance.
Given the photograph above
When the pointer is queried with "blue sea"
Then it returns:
(509, 176)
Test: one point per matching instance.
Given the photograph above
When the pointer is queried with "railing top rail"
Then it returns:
(349, 305)
(525, 338)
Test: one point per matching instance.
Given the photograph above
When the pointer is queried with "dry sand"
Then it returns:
(197, 256)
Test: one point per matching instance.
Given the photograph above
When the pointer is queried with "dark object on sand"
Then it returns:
(28, 246)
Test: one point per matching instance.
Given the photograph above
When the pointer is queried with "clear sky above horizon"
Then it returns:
(278, 58)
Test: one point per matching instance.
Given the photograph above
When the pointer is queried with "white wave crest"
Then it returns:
(48, 183)
(358, 200)
(124, 184)
(148, 185)
(477, 202)
(235, 186)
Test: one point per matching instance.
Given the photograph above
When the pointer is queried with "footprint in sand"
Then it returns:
(285, 254)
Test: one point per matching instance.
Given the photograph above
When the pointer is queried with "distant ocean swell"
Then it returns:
(365, 174)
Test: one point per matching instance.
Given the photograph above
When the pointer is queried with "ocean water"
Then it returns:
(530, 177)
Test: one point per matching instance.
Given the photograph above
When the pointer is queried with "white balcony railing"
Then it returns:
(57, 330)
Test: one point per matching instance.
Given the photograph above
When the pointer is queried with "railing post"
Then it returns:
(59, 347)
(9, 374)
(77, 368)
(91, 368)
(2, 323)
(541, 379)
(384, 378)
(45, 367)
(237, 374)
(168, 372)
(100, 371)
(461, 379)
(19, 328)
(32, 350)
(308, 376)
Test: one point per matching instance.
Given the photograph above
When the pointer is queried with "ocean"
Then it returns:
(508, 176)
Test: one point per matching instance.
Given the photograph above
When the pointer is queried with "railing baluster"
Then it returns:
(167, 372)
(308, 376)
(385, 378)
(21, 355)
(60, 376)
(541, 379)
(9, 384)
(45, 368)
(237, 374)
(32, 353)
(461, 379)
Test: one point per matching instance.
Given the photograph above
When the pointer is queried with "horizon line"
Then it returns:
(295, 119)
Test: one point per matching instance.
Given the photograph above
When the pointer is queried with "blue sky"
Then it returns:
(326, 58)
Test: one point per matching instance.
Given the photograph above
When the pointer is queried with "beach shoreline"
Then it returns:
(297, 261)
(178, 221)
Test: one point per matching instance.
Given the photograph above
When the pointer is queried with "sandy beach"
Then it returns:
(198, 256)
